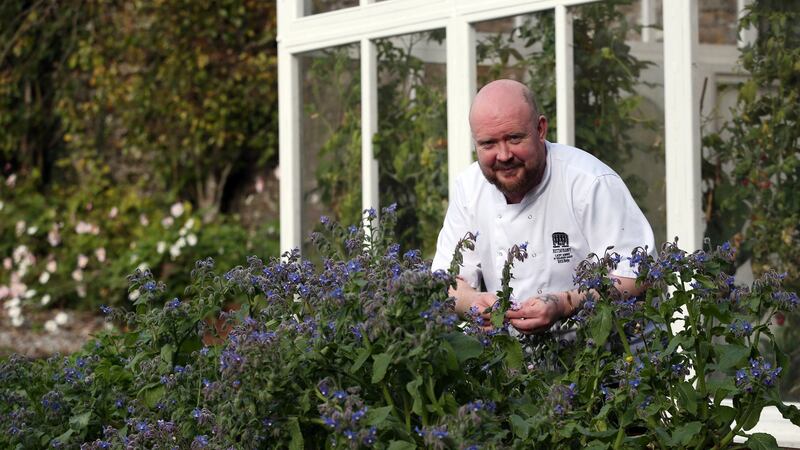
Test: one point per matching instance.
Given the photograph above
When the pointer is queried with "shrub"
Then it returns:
(366, 351)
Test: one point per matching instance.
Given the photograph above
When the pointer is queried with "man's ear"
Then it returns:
(541, 127)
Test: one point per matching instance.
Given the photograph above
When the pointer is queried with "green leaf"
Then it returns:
(361, 358)
(401, 445)
(684, 434)
(687, 397)
(601, 326)
(80, 421)
(380, 365)
(520, 427)
(723, 414)
(413, 388)
(167, 352)
(297, 436)
(466, 347)
(731, 355)
(596, 445)
(376, 416)
(513, 351)
(751, 419)
(153, 395)
(761, 441)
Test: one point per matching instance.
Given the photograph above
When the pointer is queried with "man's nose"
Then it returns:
(503, 152)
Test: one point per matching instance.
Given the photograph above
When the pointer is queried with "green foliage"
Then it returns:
(607, 76)
(752, 166)
(365, 350)
(410, 145)
(114, 113)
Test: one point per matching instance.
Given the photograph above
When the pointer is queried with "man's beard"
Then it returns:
(529, 178)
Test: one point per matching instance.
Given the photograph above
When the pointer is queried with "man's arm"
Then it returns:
(466, 297)
(540, 313)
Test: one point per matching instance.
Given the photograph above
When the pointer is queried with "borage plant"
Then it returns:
(366, 351)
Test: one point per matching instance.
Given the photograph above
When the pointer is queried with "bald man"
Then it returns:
(563, 202)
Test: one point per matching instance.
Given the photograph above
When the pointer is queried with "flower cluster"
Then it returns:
(757, 374)
(345, 414)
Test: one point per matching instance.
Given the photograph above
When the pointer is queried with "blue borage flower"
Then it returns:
(758, 374)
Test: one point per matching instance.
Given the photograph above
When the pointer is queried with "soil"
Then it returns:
(33, 340)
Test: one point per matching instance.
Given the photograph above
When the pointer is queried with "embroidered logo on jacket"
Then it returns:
(562, 253)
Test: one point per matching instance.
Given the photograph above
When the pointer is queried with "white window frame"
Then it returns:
(369, 21)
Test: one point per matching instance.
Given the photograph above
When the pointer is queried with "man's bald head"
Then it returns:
(504, 93)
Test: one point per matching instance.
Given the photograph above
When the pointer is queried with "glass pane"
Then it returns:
(330, 138)
(411, 143)
(619, 103)
(521, 48)
(717, 22)
(311, 7)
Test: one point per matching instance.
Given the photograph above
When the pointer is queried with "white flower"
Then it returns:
(143, 266)
(134, 294)
(44, 277)
(12, 303)
(51, 326)
(29, 293)
(277, 172)
(143, 220)
(83, 227)
(81, 290)
(20, 253)
(4, 291)
(113, 213)
(77, 275)
(167, 222)
(20, 227)
(100, 254)
(181, 242)
(259, 184)
(189, 223)
(32, 230)
(11, 181)
(174, 251)
(95, 230)
(2, 205)
(191, 240)
(176, 209)
(61, 318)
(7, 263)
(51, 266)
(182, 232)
(45, 300)
(83, 260)
(17, 322)
(53, 236)
(161, 247)
(14, 311)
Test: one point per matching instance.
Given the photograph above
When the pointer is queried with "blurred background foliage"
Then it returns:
(133, 134)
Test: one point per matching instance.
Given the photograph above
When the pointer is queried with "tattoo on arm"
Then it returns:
(549, 298)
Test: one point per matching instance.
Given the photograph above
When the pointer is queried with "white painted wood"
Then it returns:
(289, 150)
(565, 78)
(648, 18)
(395, 17)
(747, 36)
(370, 197)
(682, 129)
(461, 88)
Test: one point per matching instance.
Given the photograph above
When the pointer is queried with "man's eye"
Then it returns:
(487, 145)
(515, 139)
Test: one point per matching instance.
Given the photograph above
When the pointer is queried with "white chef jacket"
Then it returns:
(580, 207)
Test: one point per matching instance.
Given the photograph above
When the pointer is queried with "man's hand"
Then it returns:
(468, 298)
(537, 314)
